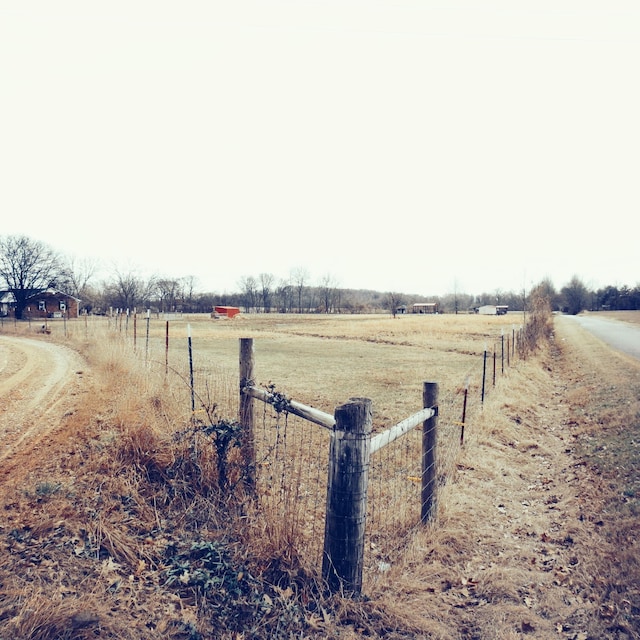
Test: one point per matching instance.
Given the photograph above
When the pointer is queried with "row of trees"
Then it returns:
(27, 265)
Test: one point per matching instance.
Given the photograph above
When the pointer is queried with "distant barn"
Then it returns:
(425, 307)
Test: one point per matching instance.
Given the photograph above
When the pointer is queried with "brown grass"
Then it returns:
(517, 549)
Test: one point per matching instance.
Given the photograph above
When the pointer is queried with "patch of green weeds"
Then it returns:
(206, 569)
(231, 595)
(45, 490)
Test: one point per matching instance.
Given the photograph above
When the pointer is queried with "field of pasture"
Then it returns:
(323, 360)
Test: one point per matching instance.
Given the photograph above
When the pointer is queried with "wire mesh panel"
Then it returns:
(394, 502)
(291, 482)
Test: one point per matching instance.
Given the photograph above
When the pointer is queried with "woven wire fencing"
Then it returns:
(292, 454)
(292, 457)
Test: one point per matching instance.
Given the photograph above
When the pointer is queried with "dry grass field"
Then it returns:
(626, 316)
(114, 526)
(324, 360)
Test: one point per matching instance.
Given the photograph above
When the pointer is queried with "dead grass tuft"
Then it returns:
(38, 616)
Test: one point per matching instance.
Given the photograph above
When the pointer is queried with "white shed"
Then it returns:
(488, 310)
(493, 309)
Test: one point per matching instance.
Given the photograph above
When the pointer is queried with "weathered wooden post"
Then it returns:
(343, 557)
(245, 414)
(429, 433)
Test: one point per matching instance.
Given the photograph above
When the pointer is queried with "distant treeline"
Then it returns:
(256, 296)
(29, 265)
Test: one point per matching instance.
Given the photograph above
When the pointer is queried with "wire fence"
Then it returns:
(292, 454)
(292, 475)
(292, 460)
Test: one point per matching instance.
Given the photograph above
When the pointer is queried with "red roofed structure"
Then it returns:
(226, 312)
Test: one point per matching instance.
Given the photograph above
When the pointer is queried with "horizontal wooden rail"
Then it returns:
(321, 418)
(393, 433)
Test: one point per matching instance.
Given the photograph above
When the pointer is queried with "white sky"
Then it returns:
(420, 146)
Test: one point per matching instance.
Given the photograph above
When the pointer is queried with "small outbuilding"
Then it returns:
(493, 310)
(425, 307)
(225, 312)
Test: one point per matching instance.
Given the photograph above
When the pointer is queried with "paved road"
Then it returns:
(620, 335)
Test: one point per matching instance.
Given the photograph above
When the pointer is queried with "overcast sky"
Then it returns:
(420, 146)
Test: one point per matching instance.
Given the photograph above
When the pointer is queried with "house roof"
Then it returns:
(9, 296)
(50, 291)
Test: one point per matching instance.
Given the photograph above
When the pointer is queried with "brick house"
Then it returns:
(42, 303)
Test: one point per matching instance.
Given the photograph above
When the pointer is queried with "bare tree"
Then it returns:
(328, 288)
(299, 278)
(248, 292)
(127, 290)
(285, 296)
(394, 300)
(77, 275)
(266, 290)
(168, 292)
(26, 266)
(188, 286)
(455, 297)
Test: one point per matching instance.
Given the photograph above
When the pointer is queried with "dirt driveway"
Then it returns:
(40, 386)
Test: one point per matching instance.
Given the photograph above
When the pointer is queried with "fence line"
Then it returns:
(395, 500)
(351, 447)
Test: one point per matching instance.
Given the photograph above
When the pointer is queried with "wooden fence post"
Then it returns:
(343, 556)
(429, 432)
(246, 414)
